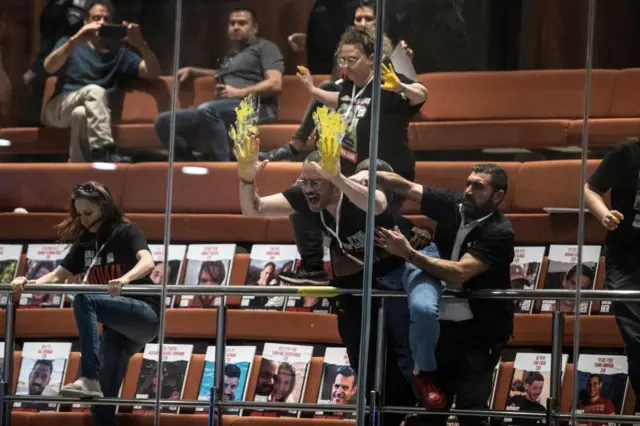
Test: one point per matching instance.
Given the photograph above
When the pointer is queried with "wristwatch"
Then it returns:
(403, 88)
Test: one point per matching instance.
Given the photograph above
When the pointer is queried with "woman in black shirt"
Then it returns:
(105, 248)
(401, 98)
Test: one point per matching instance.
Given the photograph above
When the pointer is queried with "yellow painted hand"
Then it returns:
(390, 80)
(244, 134)
(246, 153)
(330, 153)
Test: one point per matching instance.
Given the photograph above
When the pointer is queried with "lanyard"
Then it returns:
(337, 230)
(93, 263)
(354, 97)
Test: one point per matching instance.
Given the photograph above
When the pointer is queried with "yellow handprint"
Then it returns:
(330, 153)
(330, 126)
(390, 80)
(245, 131)
(244, 134)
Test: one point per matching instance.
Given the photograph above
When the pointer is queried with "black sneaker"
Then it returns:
(305, 276)
(284, 153)
(108, 154)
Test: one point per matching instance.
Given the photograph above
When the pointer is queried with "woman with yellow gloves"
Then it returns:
(401, 99)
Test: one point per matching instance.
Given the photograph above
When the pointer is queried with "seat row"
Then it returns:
(597, 331)
(205, 206)
(192, 385)
(465, 111)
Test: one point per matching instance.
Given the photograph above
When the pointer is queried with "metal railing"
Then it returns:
(217, 406)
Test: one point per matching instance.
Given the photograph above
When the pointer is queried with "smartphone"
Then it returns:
(112, 31)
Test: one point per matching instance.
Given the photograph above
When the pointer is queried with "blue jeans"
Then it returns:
(202, 129)
(128, 324)
(424, 293)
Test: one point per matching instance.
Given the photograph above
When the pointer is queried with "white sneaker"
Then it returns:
(82, 388)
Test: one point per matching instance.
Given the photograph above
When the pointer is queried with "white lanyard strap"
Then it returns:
(336, 233)
(92, 264)
(354, 98)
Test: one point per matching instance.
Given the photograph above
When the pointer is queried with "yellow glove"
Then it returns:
(244, 134)
(247, 154)
(330, 153)
(390, 80)
(330, 126)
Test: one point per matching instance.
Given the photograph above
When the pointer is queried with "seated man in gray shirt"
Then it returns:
(252, 65)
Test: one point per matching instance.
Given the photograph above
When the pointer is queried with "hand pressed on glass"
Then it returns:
(330, 127)
(246, 144)
(390, 80)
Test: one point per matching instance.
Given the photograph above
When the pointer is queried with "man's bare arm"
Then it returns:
(358, 194)
(58, 57)
(595, 203)
(253, 205)
(454, 273)
(202, 72)
(271, 85)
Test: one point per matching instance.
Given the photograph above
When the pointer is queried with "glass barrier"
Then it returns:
(603, 377)
(475, 111)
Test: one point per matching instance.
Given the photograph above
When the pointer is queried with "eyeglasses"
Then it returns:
(343, 62)
(313, 184)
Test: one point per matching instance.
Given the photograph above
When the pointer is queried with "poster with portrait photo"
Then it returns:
(9, 260)
(530, 386)
(174, 266)
(42, 259)
(175, 365)
(525, 274)
(311, 303)
(237, 368)
(266, 263)
(282, 377)
(207, 265)
(602, 384)
(42, 371)
(562, 275)
(338, 385)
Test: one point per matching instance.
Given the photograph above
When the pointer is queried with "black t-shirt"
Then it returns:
(393, 142)
(492, 241)
(117, 257)
(619, 172)
(523, 404)
(351, 232)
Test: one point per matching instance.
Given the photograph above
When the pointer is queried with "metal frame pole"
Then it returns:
(367, 283)
(557, 338)
(9, 344)
(376, 393)
(583, 179)
(169, 200)
(221, 327)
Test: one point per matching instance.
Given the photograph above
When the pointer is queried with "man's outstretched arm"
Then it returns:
(252, 204)
(392, 182)
(395, 183)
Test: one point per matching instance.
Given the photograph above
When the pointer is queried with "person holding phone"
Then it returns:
(106, 248)
(252, 65)
(90, 65)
